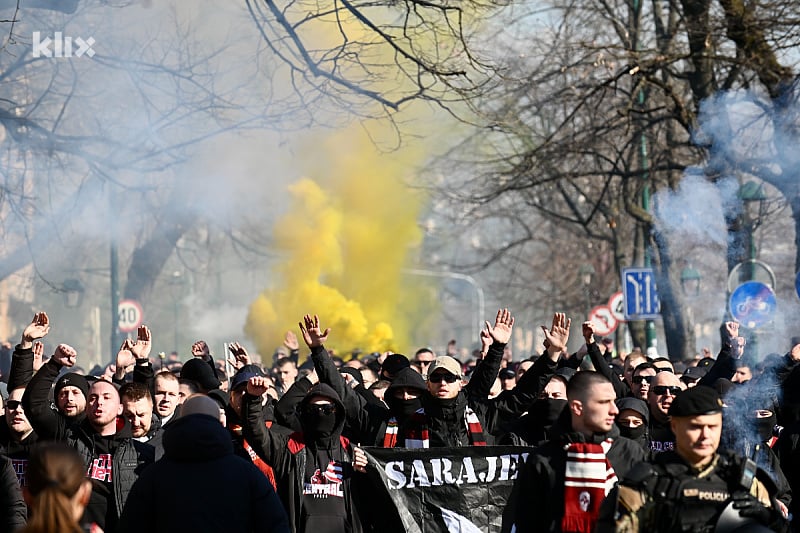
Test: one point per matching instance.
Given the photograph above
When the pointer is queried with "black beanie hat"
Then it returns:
(409, 378)
(71, 379)
(201, 373)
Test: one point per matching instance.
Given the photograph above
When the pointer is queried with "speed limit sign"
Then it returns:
(129, 315)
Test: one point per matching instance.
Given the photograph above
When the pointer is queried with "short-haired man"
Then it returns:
(561, 487)
(642, 377)
(688, 489)
(16, 434)
(113, 459)
(137, 408)
(285, 373)
(166, 395)
(424, 358)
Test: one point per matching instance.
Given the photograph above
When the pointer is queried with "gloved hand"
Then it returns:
(749, 507)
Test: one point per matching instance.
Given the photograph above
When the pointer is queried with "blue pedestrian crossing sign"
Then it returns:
(641, 294)
(753, 304)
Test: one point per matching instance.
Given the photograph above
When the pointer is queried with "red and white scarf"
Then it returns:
(588, 479)
(417, 434)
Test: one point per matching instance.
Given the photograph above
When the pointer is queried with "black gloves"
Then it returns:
(749, 507)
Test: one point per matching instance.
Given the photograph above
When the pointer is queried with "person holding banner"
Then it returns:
(560, 488)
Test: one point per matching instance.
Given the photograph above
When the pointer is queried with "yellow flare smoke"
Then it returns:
(344, 242)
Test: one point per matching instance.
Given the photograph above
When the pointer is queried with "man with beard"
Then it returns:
(70, 393)
(312, 468)
(112, 457)
(441, 412)
(561, 487)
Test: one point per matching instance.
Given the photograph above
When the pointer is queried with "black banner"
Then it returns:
(445, 490)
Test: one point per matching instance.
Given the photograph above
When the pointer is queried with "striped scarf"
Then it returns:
(417, 434)
(588, 479)
(257, 461)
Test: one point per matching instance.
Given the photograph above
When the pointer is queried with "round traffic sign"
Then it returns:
(617, 305)
(603, 320)
(753, 304)
(130, 315)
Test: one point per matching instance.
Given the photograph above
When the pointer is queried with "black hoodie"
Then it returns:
(312, 468)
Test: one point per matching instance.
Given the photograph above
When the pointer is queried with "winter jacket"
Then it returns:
(128, 457)
(13, 512)
(200, 485)
(367, 422)
(289, 456)
(536, 504)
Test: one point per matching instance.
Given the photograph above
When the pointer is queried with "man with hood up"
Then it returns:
(312, 468)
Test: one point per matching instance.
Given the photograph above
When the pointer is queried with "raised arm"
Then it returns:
(270, 446)
(22, 363)
(48, 423)
(486, 371)
(599, 362)
(732, 348)
(358, 411)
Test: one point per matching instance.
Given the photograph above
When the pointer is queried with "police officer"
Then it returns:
(694, 487)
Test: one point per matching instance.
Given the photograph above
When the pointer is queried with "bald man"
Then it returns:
(664, 387)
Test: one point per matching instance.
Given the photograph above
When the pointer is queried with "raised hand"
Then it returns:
(200, 349)
(588, 332)
(239, 356)
(257, 386)
(37, 329)
(503, 323)
(732, 329)
(38, 354)
(125, 359)
(558, 335)
(141, 348)
(65, 355)
(486, 341)
(290, 341)
(312, 332)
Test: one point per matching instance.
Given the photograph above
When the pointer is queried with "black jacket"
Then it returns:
(13, 512)
(289, 457)
(536, 504)
(200, 485)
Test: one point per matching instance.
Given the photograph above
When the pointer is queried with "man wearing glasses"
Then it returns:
(423, 359)
(642, 377)
(663, 390)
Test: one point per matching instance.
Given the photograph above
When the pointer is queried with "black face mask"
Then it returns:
(764, 426)
(317, 424)
(547, 410)
(632, 433)
(403, 408)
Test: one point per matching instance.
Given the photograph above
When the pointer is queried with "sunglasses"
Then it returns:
(665, 369)
(660, 390)
(13, 405)
(639, 379)
(444, 376)
(424, 362)
(320, 408)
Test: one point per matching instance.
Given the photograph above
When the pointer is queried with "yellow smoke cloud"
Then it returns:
(344, 241)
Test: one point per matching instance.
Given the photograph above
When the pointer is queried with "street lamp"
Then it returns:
(73, 293)
(586, 274)
(690, 281)
(176, 283)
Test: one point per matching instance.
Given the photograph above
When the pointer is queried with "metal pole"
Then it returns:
(477, 319)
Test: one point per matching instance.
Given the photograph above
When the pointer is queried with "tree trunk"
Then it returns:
(678, 327)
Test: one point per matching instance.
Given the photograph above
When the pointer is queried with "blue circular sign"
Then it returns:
(753, 304)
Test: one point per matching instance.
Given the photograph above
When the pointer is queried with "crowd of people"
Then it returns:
(619, 442)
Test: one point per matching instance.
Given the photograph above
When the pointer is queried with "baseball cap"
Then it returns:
(446, 362)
